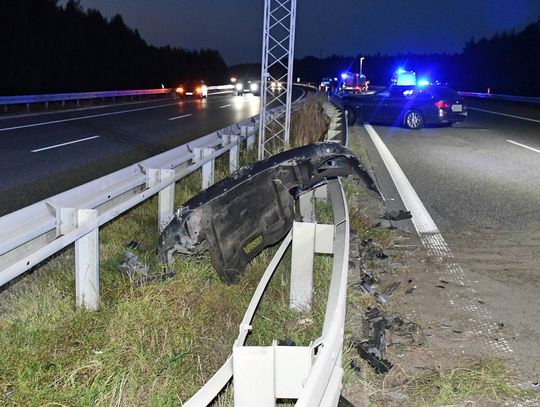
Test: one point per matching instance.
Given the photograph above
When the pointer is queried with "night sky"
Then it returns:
(323, 28)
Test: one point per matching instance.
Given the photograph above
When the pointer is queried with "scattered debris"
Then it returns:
(401, 215)
(139, 272)
(133, 266)
(134, 244)
(343, 402)
(380, 365)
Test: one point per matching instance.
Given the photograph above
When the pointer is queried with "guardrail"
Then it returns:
(64, 97)
(495, 96)
(311, 374)
(32, 234)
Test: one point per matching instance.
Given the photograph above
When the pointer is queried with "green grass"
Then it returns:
(486, 379)
(154, 345)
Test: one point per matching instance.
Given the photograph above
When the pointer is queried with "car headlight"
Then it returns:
(239, 86)
(253, 87)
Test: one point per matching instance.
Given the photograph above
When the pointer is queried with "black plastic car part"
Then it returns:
(237, 217)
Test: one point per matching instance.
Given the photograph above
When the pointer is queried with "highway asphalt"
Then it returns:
(45, 154)
(483, 172)
(479, 182)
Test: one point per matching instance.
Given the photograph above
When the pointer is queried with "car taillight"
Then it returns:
(179, 89)
(441, 105)
(198, 90)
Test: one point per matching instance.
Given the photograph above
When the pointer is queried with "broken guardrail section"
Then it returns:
(236, 218)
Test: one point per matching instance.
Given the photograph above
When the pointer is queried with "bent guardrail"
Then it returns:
(310, 374)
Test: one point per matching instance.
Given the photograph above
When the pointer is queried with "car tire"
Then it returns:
(413, 120)
(351, 116)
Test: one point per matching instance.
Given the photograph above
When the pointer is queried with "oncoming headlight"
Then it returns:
(239, 86)
(253, 87)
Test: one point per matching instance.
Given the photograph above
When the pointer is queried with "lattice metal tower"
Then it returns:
(276, 76)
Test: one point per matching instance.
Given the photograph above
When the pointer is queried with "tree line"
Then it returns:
(506, 63)
(47, 48)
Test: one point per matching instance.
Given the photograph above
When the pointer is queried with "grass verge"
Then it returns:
(154, 345)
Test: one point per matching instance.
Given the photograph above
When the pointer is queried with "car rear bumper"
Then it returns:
(446, 117)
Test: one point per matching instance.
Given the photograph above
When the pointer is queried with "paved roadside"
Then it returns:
(472, 290)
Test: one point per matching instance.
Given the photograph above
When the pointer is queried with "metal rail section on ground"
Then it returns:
(311, 374)
(64, 97)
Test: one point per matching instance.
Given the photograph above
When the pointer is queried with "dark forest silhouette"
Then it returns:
(506, 63)
(47, 48)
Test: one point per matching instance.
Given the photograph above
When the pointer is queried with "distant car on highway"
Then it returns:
(247, 86)
(409, 106)
(194, 89)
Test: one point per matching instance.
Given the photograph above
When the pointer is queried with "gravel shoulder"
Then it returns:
(479, 303)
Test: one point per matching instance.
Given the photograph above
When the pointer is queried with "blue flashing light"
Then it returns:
(344, 75)
(423, 82)
(400, 70)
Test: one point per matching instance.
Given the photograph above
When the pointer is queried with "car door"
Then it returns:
(396, 105)
(373, 107)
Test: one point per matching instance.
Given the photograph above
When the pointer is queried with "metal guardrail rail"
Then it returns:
(63, 97)
(311, 374)
(495, 96)
(32, 234)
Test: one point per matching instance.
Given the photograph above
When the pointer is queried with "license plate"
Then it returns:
(457, 108)
(191, 93)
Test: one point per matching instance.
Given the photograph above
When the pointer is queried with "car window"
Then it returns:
(442, 92)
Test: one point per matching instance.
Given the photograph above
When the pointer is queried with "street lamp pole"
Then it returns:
(361, 59)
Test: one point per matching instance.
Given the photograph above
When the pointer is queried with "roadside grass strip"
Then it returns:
(152, 345)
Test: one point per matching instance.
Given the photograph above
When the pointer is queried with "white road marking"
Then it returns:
(524, 146)
(221, 107)
(434, 242)
(85, 117)
(63, 144)
(180, 117)
(505, 114)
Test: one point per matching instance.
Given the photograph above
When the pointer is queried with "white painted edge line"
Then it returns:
(430, 236)
(524, 146)
(63, 144)
(504, 114)
(84, 117)
(221, 107)
(180, 117)
(421, 219)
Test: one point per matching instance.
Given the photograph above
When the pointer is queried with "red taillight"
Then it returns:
(441, 105)
(198, 90)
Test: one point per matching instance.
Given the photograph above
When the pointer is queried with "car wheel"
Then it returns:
(351, 116)
(413, 120)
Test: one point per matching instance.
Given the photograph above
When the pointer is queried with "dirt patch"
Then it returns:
(469, 316)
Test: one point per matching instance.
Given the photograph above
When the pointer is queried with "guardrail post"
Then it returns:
(208, 168)
(234, 152)
(267, 373)
(303, 255)
(165, 197)
(248, 132)
(87, 262)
